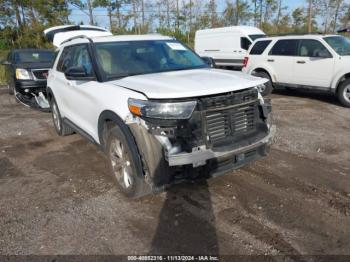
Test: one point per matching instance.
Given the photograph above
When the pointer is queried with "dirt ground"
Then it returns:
(56, 196)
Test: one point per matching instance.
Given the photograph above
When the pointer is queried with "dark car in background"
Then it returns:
(26, 73)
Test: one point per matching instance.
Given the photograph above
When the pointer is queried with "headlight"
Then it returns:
(145, 108)
(23, 74)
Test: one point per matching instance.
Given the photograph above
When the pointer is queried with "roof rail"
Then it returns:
(291, 34)
(77, 37)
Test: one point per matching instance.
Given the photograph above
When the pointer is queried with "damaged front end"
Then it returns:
(30, 88)
(223, 132)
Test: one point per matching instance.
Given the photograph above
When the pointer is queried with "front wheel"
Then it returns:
(125, 164)
(61, 128)
(267, 88)
(344, 93)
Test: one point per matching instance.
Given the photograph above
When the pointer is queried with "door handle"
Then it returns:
(301, 62)
(270, 60)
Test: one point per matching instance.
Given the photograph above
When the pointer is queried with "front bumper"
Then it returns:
(30, 86)
(200, 155)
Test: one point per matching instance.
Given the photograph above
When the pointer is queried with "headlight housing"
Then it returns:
(261, 87)
(23, 74)
(161, 110)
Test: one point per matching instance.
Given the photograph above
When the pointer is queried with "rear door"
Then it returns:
(314, 64)
(282, 58)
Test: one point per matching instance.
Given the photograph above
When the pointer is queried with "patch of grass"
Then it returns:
(3, 54)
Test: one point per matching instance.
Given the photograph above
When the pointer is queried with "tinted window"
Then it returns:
(285, 48)
(63, 61)
(245, 43)
(312, 48)
(75, 56)
(259, 47)
(340, 44)
(81, 58)
(120, 59)
(36, 56)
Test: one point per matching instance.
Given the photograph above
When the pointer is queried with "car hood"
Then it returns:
(188, 83)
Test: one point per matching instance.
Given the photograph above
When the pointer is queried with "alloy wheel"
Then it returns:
(346, 93)
(121, 164)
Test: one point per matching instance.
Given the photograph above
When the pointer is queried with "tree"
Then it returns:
(309, 16)
(298, 20)
(212, 7)
(110, 5)
(83, 6)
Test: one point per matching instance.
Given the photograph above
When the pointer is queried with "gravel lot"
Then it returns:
(56, 196)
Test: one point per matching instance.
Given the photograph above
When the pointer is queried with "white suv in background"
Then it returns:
(157, 110)
(309, 61)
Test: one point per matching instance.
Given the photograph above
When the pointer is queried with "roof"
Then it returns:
(118, 38)
(296, 36)
(243, 29)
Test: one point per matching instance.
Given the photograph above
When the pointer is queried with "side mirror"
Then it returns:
(78, 73)
(4, 62)
(209, 61)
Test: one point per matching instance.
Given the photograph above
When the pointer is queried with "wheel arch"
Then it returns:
(261, 69)
(339, 80)
(106, 119)
(49, 93)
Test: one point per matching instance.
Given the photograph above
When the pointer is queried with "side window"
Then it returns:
(312, 48)
(259, 47)
(80, 57)
(245, 43)
(75, 56)
(64, 59)
(285, 48)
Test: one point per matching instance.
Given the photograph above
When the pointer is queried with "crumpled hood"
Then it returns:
(188, 83)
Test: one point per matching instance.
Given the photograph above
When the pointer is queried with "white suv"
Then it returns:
(156, 109)
(310, 61)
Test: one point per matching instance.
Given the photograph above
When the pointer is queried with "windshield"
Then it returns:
(254, 37)
(340, 44)
(120, 59)
(34, 56)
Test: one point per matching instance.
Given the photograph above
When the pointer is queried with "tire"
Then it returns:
(344, 93)
(125, 164)
(10, 89)
(268, 85)
(61, 128)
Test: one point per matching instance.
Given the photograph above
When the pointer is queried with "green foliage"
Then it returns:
(3, 55)
(187, 38)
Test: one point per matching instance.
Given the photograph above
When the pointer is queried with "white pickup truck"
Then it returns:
(156, 109)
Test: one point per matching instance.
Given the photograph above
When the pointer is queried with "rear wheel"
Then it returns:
(267, 88)
(10, 89)
(125, 163)
(344, 93)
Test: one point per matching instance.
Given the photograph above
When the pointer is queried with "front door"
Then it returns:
(76, 99)
(314, 64)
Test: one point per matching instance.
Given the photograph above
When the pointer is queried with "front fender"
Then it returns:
(337, 78)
